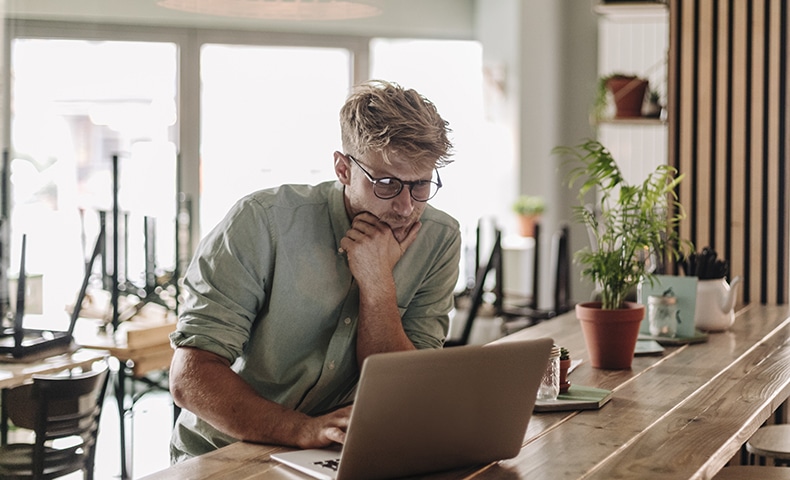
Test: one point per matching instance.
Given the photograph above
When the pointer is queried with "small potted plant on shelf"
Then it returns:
(565, 365)
(627, 91)
(628, 225)
(528, 208)
(653, 107)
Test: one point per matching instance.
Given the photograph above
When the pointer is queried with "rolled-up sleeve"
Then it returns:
(225, 289)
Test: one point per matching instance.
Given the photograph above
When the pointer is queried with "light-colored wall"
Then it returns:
(399, 18)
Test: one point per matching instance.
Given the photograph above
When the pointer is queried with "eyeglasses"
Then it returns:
(386, 188)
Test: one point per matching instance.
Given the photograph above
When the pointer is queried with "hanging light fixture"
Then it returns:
(278, 9)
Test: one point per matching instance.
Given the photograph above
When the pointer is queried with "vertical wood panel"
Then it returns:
(729, 135)
(722, 128)
(782, 143)
(735, 248)
(704, 101)
(757, 187)
(683, 19)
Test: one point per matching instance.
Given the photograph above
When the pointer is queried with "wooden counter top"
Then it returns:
(683, 414)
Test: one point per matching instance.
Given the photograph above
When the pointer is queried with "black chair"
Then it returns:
(54, 407)
(494, 263)
(521, 316)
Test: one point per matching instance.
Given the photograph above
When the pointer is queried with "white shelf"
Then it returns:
(633, 121)
(632, 10)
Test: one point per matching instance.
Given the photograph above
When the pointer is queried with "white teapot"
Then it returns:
(715, 304)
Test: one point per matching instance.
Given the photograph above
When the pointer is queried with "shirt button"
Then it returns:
(347, 321)
(332, 365)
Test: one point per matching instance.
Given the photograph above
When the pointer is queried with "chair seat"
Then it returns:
(743, 472)
(16, 460)
(771, 441)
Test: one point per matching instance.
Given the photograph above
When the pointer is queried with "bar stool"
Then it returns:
(771, 441)
(744, 472)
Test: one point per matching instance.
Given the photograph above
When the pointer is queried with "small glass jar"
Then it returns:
(662, 313)
(550, 385)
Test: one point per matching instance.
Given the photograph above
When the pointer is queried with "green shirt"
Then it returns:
(268, 290)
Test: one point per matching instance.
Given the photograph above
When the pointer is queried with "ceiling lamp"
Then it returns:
(278, 9)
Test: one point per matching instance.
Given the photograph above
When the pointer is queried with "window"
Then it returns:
(269, 116)
(75, 104)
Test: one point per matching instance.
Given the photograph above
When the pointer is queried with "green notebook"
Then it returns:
(578, 397)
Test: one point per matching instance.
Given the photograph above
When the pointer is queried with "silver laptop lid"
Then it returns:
(431, 410)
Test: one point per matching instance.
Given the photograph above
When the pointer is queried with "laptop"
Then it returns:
(19, 342)
(425, 411)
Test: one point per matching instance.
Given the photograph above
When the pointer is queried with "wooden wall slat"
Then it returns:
(704, 110)
(722, 130)
(757, 186)
(735, 248)
(682, 18)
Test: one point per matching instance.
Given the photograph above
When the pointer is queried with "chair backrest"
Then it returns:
(59, 407)
(494, 263)
(559, 270)
(560, 265)
(561, 261)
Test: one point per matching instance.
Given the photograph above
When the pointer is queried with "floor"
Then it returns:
(152, 421)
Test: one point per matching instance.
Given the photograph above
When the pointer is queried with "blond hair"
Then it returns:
(383, 117)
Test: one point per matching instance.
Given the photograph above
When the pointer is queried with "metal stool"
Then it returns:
(771, 441)
(743, 472)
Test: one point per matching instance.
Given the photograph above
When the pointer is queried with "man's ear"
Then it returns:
(342, 168)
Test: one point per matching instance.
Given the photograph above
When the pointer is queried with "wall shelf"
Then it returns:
(633, 121)
(631, 10)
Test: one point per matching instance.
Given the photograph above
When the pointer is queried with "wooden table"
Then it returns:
(13, 374)
(684, 414)
(142, 347)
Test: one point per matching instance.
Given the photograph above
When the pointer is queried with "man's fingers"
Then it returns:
(336, 435)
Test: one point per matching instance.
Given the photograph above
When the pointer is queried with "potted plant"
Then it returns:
(653, 107)
(628, 225)
(565, 365)
(529, 209)
(627, 91)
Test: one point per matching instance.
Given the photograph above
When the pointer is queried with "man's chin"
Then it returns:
(400, 233)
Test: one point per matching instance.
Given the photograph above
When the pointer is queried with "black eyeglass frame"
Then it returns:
(402, 183)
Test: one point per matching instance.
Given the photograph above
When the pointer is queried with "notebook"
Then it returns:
(19, 342)
(431, 410)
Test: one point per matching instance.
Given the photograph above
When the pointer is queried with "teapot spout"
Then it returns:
(729, 300)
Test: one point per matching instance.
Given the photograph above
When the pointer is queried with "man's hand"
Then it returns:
(372, 248)
(372, 251)
(319, 432)
(203, 383)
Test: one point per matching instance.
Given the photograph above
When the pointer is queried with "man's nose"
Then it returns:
(403, 204)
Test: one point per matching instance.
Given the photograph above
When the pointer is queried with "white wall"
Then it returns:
(400, 18)
(547, 50)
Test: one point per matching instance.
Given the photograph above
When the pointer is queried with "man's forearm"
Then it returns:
(204, 384)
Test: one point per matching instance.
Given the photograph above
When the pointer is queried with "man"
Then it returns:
(290, 293)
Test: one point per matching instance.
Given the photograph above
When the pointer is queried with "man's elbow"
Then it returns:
(188, 370)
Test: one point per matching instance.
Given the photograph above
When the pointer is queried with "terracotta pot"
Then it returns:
(629, 95)
(610, 335)
(564, 383)
(526, 225)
